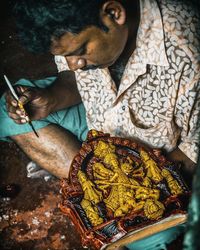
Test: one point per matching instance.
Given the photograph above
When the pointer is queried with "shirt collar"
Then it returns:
(150, 46)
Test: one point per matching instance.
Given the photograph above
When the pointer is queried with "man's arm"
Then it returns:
(178, 156)
(63, 92)
(39, 102)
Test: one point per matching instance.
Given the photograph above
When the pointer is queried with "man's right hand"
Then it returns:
(40, 102)
(37, 103)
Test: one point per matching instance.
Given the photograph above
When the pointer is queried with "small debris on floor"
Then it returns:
(32, 219)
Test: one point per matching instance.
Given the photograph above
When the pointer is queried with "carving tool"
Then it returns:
(20, 105)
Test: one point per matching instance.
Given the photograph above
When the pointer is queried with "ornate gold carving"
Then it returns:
(90, 192)
(91, 212)
(116, 185)
(153, 172)
(173, 184)
(153, 209)
(103, 149)
(123, 185)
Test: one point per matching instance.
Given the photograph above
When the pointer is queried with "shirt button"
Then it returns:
(123, 108)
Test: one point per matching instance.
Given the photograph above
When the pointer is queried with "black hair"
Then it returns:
(38, 20)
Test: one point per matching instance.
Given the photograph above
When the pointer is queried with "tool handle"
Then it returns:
(21, 106)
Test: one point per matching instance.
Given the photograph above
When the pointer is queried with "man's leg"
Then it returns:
(53, 150)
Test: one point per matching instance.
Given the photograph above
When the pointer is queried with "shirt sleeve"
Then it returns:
(61, 63)
(188, 111)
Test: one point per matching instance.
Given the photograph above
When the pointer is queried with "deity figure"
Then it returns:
(90, 192)
(123, 185)
(153, 172)
(173, 184)
(91, 212)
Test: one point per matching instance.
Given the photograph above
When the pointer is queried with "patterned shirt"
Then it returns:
(158, 100)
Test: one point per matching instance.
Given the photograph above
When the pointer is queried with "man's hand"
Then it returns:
(37, 103)
(40, 102)
(188, 167)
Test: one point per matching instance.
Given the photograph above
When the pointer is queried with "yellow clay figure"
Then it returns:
(129, 186)
(144, 193)
(101, 171)
(116, 196)
(127, 168)
(139, 206)
(139, 172)
(120, 201)
(122, 210)
(153, 209)
(112, 201)
(124, 193)
(90, 192)
(91, 212)
(153, 171)
(134, 182)
(173, 184)
(147, 182)
(103, 149)
(111, 159)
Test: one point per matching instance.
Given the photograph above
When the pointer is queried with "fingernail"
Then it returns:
(27, 118)
(21, 113)
(18, 112)
(23, 121)
(14, 103)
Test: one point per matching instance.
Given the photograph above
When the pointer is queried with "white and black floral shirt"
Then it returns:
(158, 100)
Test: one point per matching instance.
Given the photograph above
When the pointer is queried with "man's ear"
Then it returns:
(115, 11)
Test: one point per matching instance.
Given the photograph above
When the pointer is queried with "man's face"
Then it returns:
(91, 48)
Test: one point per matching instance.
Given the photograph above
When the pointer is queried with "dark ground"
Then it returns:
(31, 220)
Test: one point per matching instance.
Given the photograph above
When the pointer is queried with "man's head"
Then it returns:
(88, 33)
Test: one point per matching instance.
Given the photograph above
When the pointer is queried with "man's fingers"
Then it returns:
(21, 89)
(14, 116)
(27, 96)
(14, 113)
(21, 113)
(34, 105)
(14, 103)
(24, 93)
(157, 152)
(18, 115)
(17, 119)
(10, 100)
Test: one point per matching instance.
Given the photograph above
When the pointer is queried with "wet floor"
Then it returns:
(31, 220)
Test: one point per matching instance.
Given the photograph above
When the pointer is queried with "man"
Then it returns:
(133, 64)
(150, 53)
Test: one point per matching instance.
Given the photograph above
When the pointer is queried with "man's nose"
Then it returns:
(75, 63)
